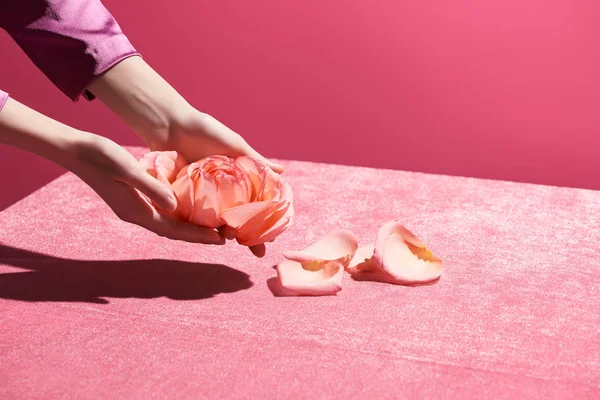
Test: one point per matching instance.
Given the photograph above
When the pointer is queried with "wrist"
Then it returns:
(143, 99)
(28, 130)
(67, 149)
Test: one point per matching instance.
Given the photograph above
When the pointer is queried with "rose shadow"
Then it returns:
(58, 279)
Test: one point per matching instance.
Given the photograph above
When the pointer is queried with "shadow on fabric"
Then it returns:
(64, 280)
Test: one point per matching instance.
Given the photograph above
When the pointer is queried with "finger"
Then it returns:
(249, 151)
(172, 228)
(158, 192)
(258, 250)
(280, 169)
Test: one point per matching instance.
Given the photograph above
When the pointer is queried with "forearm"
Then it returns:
(142, 98)
(28, 130)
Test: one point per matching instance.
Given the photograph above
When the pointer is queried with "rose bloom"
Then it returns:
(244, 196)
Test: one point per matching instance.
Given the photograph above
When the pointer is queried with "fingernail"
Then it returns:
(277, 166)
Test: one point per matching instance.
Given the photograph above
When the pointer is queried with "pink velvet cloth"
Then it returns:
(71, 41)
(91, 307)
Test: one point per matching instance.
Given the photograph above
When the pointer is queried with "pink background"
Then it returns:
(498, 89)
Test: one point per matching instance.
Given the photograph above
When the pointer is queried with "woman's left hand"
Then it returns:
(196, 135)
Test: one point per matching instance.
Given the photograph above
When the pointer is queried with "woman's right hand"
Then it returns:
(105, 166)
(117, 177)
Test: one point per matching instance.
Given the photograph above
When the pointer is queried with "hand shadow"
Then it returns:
(59, 279)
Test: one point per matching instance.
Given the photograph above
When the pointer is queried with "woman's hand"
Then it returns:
(117, 177)
(196, 135)
(105, 166)
(165, 120)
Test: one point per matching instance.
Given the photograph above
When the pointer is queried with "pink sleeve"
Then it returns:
(71, 41)
(3, 98)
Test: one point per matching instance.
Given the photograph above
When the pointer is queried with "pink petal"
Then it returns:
(184, 190)
(238, 216)
(403, 257)
(251, 164)
(339, 245)
(282, 223)
(147, 160)
(285, 191)
(296, 281)
(260, 223)
(211, 163)
(206, 202)
(363, 268)
(256, 174)
(263, 178)
(362, 259)
(232, 192)
(260, 230)
(163, 165)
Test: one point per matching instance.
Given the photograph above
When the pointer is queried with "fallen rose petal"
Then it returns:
(403, 257)
(362, 260)
(339, 245)
(297, 281)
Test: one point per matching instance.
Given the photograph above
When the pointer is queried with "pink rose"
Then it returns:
(244, 195)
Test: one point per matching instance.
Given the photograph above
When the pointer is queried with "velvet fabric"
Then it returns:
(92, 307)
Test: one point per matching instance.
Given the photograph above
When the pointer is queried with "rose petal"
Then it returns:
(255, 173)
(163, 165)
(283, 223)
(362, 259)
(296, 281)
(260, 229)
(206, 202)
(259, 223)
(391, 227)
(403, 257)
(339, 245)
(263, 178)
(232, 192)
(184, 190)
(212, 163)
(237, 216)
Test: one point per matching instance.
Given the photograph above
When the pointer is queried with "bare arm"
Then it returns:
(163, 118)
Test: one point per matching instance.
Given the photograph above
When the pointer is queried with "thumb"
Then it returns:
(159, 193)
